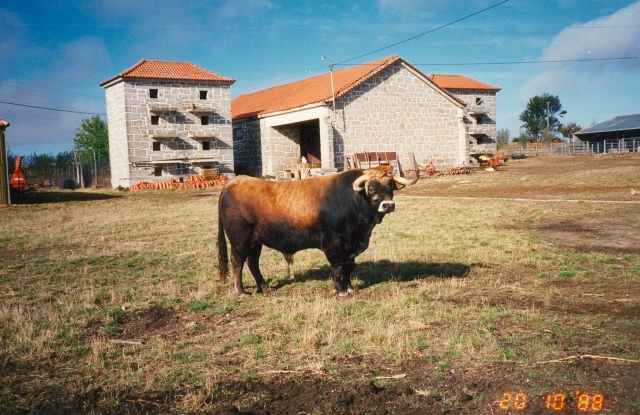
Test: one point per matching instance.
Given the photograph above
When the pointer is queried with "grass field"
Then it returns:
(109, 303)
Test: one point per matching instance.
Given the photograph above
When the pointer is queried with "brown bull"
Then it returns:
(334, 213)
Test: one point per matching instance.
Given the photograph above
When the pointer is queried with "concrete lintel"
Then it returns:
(310, 112)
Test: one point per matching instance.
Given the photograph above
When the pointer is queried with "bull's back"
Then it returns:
(296, 202)
(288, 215)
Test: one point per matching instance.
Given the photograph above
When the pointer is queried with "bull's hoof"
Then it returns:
(242, 294)
(263, 288)
(343, 293)
(351, 291)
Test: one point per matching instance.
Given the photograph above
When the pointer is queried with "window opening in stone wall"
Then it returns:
(157, 146)
(204, 120)
(206, 145)
(153, 93)
(157, 171)
(203, 94)
(483, 139)
(155, 119)
(237, 133)
(479, 119)
(182, 168)
(479, 101)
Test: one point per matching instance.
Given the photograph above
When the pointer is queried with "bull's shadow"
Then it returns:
(372, 273)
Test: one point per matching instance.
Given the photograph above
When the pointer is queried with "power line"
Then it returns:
(427, 32)
(51, 109)
(506, 62)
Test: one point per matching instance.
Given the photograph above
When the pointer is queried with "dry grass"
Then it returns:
(454, 281)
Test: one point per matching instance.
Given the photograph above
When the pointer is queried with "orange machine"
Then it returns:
(18, 182)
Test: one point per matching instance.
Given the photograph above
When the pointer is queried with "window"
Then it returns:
(479, 101)
(206, 145)
(153, 93)
(203, 94)
(155, 119)
(237, 133)
(157, 171)
(479, 119)
(157, 146)
(204, 120)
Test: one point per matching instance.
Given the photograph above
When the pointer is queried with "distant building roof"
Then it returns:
(314, 90)
(460, 82)
(169, 70)
(619, 123)
(4, 123)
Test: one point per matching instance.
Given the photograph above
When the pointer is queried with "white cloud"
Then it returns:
(617, 35)
(579, 41)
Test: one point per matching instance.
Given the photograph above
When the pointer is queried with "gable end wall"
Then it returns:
(397, 111)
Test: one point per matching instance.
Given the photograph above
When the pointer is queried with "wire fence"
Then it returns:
(626, 145)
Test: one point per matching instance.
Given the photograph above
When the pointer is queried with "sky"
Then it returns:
(54, 53)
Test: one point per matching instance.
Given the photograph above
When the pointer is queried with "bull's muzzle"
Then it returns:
(387, 206)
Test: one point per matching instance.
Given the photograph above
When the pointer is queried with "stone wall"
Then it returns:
(247, 153)
(118, 145)
(179, 130)
(397, 111)
(488, 121)
(281, 147)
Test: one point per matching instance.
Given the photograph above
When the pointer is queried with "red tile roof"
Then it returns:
(169, 70)
(460, 82)
(312, 90)
(4, 123)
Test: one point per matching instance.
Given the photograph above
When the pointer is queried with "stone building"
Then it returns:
(386, 105)
(480, 113)
(167, 120)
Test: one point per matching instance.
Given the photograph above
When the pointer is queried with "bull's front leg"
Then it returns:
(342, 277)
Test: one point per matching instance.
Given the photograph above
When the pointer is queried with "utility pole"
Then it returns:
(547, 115)
(333, 95)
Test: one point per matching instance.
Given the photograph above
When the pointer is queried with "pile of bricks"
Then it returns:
(195, 181)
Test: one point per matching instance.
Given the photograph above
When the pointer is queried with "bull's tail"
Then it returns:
(223, 256)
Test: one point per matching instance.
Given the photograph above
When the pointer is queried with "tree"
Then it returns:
(523, 138)
(502, 137)
(569, 130)
(547, 136)
(535, 115)
(92, 137)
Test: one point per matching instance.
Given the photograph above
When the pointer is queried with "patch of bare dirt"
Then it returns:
(168, 323)
(371, 386)
(617, 234)
(604, 177)
(427, 388)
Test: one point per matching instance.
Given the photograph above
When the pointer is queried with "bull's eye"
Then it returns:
(371, 190)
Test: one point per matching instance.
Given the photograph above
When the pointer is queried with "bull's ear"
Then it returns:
(399, 186)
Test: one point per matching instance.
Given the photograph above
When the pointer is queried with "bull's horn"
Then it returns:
(404, 181)
(358, 185)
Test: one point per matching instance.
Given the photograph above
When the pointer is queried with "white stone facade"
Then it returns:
(156, 139)
(398, 110)
(480, 116)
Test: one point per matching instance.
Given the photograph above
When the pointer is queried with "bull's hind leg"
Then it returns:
(237, 262)
(253, 260)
